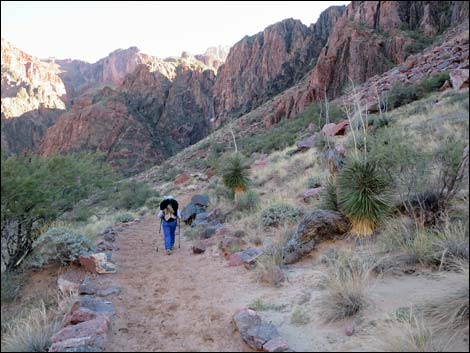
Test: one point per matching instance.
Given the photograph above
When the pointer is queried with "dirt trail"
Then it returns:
(181, 302)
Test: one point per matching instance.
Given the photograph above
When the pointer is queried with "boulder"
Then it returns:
(306, 143)
(235, 260)
(190, 212)
(87, 288)
(81, 315)
(97, 263)
(314, 228)
(333, 129)
(201, 200)
(94, 304)
(312, 193)
(110, 237)
(459, 78)
(94, 327)
(201, 218)
(253, 329)
(182, 178)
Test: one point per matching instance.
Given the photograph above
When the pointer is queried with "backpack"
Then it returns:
(169, 208)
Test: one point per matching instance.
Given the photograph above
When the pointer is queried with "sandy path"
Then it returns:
(181, 302)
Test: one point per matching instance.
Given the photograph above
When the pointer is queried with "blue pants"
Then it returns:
(169, 229)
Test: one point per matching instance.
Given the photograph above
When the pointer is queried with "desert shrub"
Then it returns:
(451, 242)
(60, 245)
(313, 182)
(235, 174)
(363, 195)
(81, 214)
(260, 305)
(153, 203)
(379, 121)
(299, 317)
(279, 213)
(37, 190)
(329, 196)
(346, 282)
(131, 195)
(30, 332)
(248, 201)
(124, 217)
(404, 237)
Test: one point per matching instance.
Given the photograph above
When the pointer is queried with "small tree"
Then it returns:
(235, 174)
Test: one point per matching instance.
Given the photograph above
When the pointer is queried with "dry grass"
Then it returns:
(31, 331)
(404, 335)
(347, 281)
(299, 317)
(452, 311)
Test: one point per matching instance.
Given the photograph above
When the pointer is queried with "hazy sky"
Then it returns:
(91, 30)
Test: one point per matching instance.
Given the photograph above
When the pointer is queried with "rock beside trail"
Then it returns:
(229, 244)
(97, 263)
(318, 226)
(459, 78)
(201, 200)
(312, 193)
(109, 291)
(306, 143)
(190, 212)
(94, 343)
(106, 246)
(257, 333)
(273, 276)
(66, 285)
(199, 248)
(94, 327)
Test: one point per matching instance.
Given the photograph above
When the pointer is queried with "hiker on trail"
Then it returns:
(168, 216)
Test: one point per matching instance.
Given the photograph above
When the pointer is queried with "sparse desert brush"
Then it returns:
(404, 335)
(363, 195)
(347, 280)
(153, 202)
(278, 214)
(451, 312)
(299, 317)
(31, 331)
(10, 286)
(60, 245)
(247, 201)
(452, 242)
(124, 217)
(329, 196)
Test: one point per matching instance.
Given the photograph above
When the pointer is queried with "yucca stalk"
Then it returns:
(363, 195)
(235, 175)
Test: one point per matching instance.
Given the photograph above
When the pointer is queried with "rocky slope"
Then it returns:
(263, 65)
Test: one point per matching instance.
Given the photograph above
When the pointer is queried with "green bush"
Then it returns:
(59, 245)
(329, 196)
(124, 217)
(131, 195)
(153, 202)
(278, 214)
(248, 201)
(313, 182)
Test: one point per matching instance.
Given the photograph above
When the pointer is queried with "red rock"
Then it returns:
(95, 327)
(182, 178)
(333, 129)
(67, 286)
(349, 330)
(276, 344)
(235, 260)
(81, 315)
(97, 263)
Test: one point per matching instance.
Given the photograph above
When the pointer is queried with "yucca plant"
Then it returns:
(329, 197)
(363, 195)
(235, 175)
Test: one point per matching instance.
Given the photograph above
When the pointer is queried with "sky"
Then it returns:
(90, 30)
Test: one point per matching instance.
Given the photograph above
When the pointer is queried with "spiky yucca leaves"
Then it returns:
(363, 195)
(235, 174)
(329, 197)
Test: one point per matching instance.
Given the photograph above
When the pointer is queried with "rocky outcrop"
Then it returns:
(214, 56)
(261, 66)
(318, 226)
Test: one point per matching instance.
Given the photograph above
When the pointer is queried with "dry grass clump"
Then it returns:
(31, 331)
(452, 311)
(346, 281)
(404, 335)
(299, 317)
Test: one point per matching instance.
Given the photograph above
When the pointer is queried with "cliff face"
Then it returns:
(261, 66)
